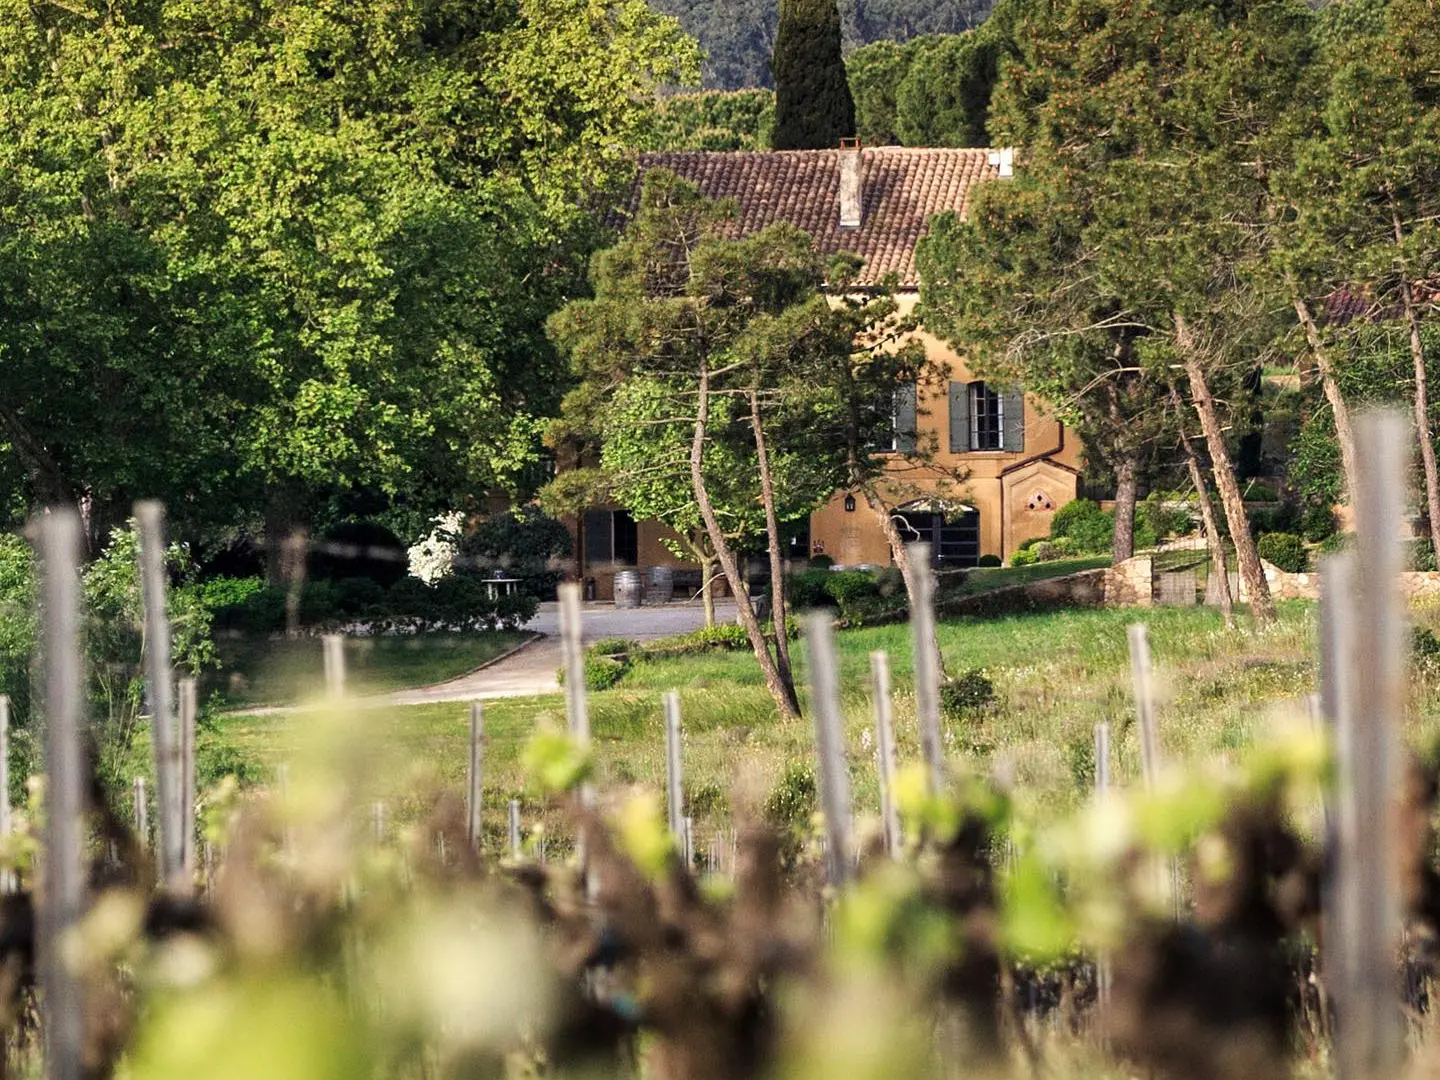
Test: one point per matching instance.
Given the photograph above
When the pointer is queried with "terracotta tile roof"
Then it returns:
(903, 188)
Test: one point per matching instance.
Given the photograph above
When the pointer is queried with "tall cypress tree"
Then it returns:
(813, 106)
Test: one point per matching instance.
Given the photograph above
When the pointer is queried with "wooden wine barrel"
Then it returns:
(660, 585)
(629, 588)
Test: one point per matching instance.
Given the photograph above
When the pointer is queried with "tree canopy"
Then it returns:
(281, 247)
(813, 106)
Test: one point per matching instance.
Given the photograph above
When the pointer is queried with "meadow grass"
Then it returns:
(1056, 675)
(283, 671)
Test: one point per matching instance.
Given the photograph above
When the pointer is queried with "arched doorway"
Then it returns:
(952, 531)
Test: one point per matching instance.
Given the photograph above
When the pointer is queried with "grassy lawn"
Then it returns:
(284, 671)
(1056, 675)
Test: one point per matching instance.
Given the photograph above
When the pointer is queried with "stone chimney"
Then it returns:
(852, 184)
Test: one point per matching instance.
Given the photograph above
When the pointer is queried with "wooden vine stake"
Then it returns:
(1103, 972)
(1368, 642)
(829, 744)
(474, 792)
(188, 709)
(885, 753)
(927, 665)
(674, 764)
(515, 850)
(7, 876)
(334, 646)
(142, 813)
(1142, 674)
(63, 896)
(160, 687)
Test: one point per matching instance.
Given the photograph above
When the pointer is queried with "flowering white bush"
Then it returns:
(434, 557)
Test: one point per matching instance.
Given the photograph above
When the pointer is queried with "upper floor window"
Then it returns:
(982, 419)
(987, 418)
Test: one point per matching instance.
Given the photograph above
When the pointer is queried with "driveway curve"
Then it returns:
(530, 670)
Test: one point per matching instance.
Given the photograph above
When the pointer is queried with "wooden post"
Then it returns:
(142, 813)
(515, 851)
(1103, 974)
(377, 821)
(160, 687)
(1143, 678)
(688, 834)
(7, 877)
(927, 668)
(63, 898)
(334, 646)
(829, 744)
(885, 754)
(573, 656)
(674, 764)
(473, 794)
(1370, 651)
(188, 708)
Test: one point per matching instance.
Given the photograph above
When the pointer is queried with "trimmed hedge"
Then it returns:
(1284, 551)
(458, 602)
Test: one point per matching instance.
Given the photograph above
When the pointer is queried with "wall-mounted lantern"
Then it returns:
(849, 504)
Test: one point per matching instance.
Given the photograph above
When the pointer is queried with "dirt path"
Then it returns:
(531, 669)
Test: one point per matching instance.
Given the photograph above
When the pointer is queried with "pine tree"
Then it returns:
(813, 106)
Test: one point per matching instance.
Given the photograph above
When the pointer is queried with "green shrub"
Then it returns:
(989, 561)
(1317, 523)
(1023, 557)
(967, 694)
(722, 637)
(601, 672)
(1026, 545)
(613, 646)
(821, 562)
(1282, 518)
(889, 581)
(1425, 648)
(224, 592)
(1284, 551)
(793, 800)
(1157, 519)
(1089, 528)
(1422, 554)
(807, 590)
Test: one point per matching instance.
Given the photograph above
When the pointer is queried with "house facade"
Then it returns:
(1002, 462)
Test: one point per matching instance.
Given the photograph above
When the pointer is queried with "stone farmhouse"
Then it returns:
(1020, 463)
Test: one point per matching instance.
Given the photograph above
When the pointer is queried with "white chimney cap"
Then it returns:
(1004, 160)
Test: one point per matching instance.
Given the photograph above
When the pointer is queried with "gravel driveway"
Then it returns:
(531, 669)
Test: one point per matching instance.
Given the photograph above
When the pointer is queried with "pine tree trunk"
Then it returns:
(1251, 572)
(1344, 433)
(1422, 416)
(777, 562)
(901, 558)
(1127, 485)
(785, 699)
(1207, 514)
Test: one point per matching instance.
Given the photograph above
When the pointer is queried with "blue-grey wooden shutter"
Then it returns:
(905, 418)
(959, 417)
(1013, 405)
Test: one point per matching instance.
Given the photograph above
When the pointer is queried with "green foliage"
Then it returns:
(876, 72)
(1089, 528)
(944, 99)
(1317, 523)
(289, 252)
(738, 36)
(722, 637)
(813, 106)
(601, 672)
(458, 601)
(988, 561)
(1284, 551)
(613, 646)
(794, 799)
(967, 695)
(713, 120)
(1024, 557)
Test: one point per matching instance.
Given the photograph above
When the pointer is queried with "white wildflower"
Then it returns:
(434, 556)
